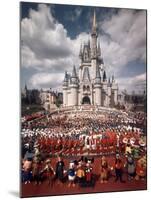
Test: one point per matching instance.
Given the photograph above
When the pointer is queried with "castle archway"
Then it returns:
(86, 100)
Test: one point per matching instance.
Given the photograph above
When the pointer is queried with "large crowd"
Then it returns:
(85, 136)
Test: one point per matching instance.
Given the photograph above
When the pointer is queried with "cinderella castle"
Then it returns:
(91, 84)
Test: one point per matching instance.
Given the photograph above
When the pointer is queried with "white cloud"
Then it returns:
(45, 44)
(48, 48)
(44, 39)
(136, 83)
(39, 80)
(125, 40)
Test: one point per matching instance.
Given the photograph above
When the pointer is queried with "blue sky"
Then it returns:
(51, 35)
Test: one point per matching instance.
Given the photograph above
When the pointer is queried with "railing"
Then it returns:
(87, 108)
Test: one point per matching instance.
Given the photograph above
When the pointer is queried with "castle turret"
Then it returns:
(97, 87)
(65, 89)
(74, 88)
(113, 79)
(25, 91)
(109, 93)
(109, 82)
(74, 77)
(115, 91)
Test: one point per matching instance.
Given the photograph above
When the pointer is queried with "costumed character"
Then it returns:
(128, 149)
(118, 168)
(26, 170)
(71, 174)
(60, 170)
(49, 172)
(89, 171)
(80, 174)
(141, 168)
(104, 170)
(36, 171)
(131, 167)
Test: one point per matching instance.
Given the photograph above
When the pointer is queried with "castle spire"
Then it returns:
(74, 77)
(74, 73)
(65, 82)
(94, 38)
(94, 25)
(26, 86)
(104, 76)
(109, 82)
(113, 80)
(66, 77)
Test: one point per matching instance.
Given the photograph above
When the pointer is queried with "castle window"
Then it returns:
(88, 88)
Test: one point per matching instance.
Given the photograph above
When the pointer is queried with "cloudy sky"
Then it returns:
(51, 36)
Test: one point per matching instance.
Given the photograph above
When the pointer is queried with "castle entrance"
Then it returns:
(86, 100)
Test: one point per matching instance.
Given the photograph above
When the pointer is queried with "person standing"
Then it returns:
(48, 169)
(36, 171)
(71, 174)
(60, 170)
(104, 170)
(118, 169)
(26, 170)
(80, 175)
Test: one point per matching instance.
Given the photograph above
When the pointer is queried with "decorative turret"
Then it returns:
(98, 76)
(26, 87)
(65, 82)
(25, 91)
(74, 73)
(113, 80)
(109, 82)
(65, 89)
(97, 86)
(74, 77)
(104, 76)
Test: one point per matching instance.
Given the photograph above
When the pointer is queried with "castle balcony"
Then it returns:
(86, 93)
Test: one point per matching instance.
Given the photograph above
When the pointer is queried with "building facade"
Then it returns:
(90, 85)
(48, 99)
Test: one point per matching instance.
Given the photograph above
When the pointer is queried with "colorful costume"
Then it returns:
(104, 170)
(141, 168)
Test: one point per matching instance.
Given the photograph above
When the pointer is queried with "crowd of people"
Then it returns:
(86, 136)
